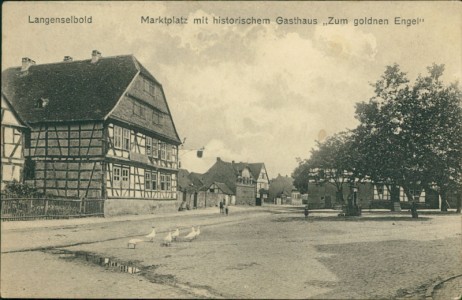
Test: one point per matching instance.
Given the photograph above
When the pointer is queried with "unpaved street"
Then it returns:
(252, 253)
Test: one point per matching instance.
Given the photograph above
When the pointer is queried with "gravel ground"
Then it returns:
(449, 290)
(48, 277)
(255, 254)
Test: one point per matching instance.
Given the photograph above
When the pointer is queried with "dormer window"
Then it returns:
(148, 86)
(41, 103)
(157, 118)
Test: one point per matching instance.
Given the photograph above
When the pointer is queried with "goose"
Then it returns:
(175, 234)
(168, 239)
(191, 235)
(152, 235)
(133, 242)
(198, 231)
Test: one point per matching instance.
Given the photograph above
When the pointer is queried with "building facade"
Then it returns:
(13, 134)
(369, 195)
(99, 128)
(234, 183)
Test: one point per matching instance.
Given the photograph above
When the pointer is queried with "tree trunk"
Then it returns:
(444, 206)
(394, 196)
(409, 197)
(459, 202)
(339, 195)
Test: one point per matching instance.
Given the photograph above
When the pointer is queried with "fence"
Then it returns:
(15, 209)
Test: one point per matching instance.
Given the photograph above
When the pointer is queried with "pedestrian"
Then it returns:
(226, 209)
(414, 210)
(221, 207)
(306, 211)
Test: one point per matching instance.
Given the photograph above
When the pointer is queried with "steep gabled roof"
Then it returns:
(16, 120)
(255, 168)
(224, 188)
(80, 91)
(228, 172)
(222, 172)
(76, 90)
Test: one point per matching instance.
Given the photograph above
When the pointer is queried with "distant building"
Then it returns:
(282, 191)
(231, 182)
(369, 195)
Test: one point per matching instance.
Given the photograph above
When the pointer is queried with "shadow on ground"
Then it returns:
(301, 218)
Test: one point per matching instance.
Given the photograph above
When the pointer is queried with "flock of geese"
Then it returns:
(171, 236)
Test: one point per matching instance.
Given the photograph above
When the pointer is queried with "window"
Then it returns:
(152, 89)
(155, 148)
(165, 182)
(126, 139)
(174, 153)
(381, 192)
(157, 118)
(147, 180)
(117, 137)
(125, 177)
(146, 87)
(125, 174)
(139, 110)
(163, 150)
(154, 181)
(169, 153)
(41, 103)
(116, 174)
(168, 180)
(416, 194)
(148, 146)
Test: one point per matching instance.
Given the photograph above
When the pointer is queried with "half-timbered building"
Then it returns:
(99, 128)
(13, 131)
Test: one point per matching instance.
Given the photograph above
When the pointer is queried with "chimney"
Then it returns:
(26, 63)
(218, 159)
(67, 58)
(95, 56)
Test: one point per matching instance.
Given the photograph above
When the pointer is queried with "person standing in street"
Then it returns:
(226, 209)
(221, 207)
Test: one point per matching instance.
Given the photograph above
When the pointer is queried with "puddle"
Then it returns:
(147, 272)
(106, 262)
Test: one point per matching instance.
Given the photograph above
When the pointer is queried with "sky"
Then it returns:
(250, 93)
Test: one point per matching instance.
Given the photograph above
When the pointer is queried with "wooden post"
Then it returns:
(46, 207)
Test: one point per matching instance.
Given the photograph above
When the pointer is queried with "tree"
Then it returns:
(331, 163)
(410, 135)
(442, 146)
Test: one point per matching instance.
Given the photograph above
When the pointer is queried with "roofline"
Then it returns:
(13, 111)
(68, 62)
(138, 64)
(170, 114)
(66, 121)
(122, 96)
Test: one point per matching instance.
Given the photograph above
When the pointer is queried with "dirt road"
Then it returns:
(256, 253)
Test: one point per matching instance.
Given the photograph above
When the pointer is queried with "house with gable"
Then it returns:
(99, 128)
(248, 182)
(13, 131)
